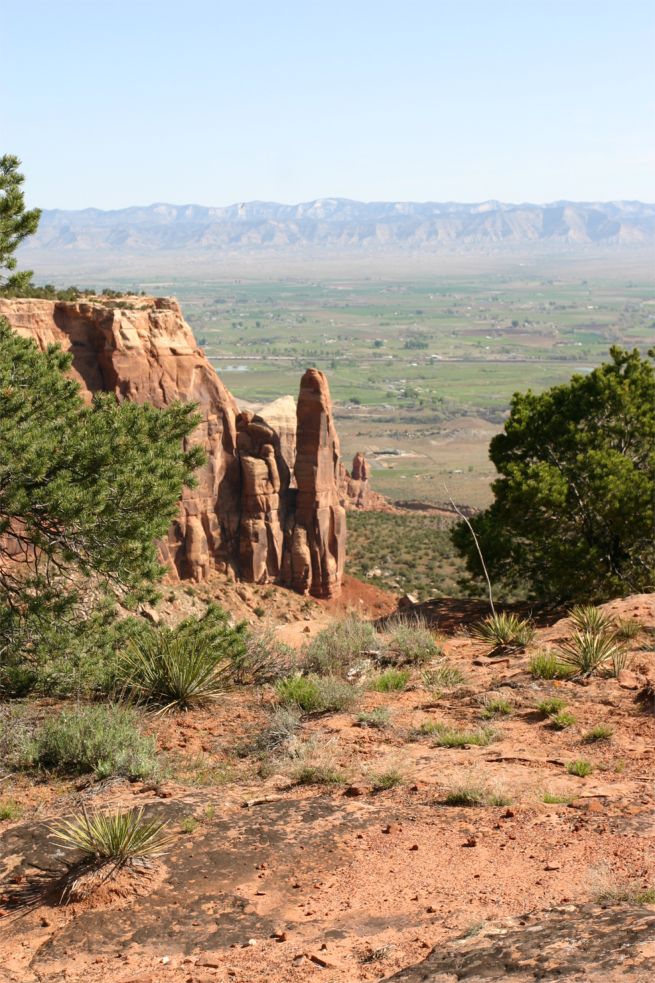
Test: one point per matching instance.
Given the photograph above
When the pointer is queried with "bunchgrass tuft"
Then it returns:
(317, 774)
(580, 768)
(446, 736)
(442, 676)
(627, 629)
(601, 732)
(475, 795)
(550, 706)
(391, 680)
(9, 810)
(547, 665)
(562, 720)
(382, 781)
(496, 706)
(552, 799)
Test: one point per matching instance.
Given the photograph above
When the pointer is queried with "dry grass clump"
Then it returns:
(445, 736)
(378, 718)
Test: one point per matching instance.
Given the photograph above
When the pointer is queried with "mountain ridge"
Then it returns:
(343, 224)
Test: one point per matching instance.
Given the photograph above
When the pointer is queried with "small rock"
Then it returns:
(551, 865)
(210, 960)
(628, 679)
(414, 846)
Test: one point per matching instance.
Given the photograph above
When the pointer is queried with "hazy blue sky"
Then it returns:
(120, 103)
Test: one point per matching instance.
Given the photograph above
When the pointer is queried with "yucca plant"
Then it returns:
(586, 652)
(587, 618)
(504, 631)
(116, 836)
(107, 842)
(174, 672)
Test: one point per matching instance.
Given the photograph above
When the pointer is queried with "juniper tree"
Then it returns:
(573, 510)
(16, 223)
(85, 491)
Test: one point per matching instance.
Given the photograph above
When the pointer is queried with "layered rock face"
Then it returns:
(267, 503)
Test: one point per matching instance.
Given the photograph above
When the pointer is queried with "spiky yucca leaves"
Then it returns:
(503, 631)
(117, 836)
(184, 667)
(586, 617)
(108, 841)
(587, 652)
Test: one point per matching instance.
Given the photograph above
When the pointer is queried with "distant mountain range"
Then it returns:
(340, 225)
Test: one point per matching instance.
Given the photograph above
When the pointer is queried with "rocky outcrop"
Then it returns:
(315, 536)
(356, 489)
(259, 509)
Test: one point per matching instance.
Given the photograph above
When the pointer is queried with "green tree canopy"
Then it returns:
(573, 512)
(85, 491)
(16, 223)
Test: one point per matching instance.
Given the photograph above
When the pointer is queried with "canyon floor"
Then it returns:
(272, 880)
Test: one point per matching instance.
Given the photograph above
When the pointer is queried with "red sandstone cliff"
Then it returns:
(263, 507)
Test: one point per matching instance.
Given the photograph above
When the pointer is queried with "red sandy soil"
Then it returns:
(341, 883)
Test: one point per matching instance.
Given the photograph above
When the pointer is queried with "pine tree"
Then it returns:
(16, 223)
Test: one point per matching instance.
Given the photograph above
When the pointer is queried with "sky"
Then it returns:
(212, 102)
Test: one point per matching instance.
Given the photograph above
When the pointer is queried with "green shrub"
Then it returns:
(546, 665)
(504, 631)
(339, 647)
(442, 676)
(184, 667)
(391, 680)
(580, 768)
(378, 718)
(103, 740)
(409, 641)
(317, 694)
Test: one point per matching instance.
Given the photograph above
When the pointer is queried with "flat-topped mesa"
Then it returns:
(315, 537)
(256, 510)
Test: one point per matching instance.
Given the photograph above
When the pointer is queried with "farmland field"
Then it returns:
(422, 369)
(422, 355)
